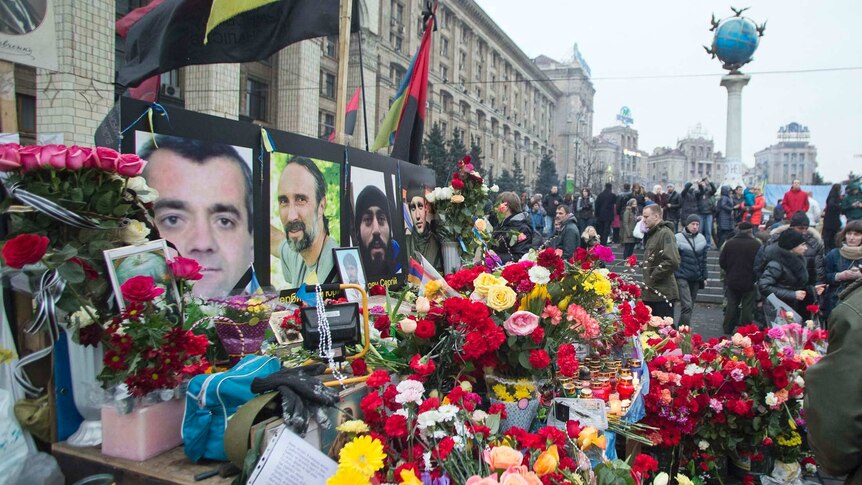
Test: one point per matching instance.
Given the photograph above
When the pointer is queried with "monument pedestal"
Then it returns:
(733, 162)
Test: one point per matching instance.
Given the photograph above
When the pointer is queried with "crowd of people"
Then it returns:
(797, 259)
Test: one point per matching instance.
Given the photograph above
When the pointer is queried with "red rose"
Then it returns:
(457, 184)
(573, 428)
(359, 367)
(24, 249)
(539, 359)
(185, 268)
(106, 159)
(377, 290)
(130, 165)
(377, 379)
(140, 288)
(396, 426)
(425, 329)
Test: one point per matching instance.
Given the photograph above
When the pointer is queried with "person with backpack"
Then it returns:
(568, 236)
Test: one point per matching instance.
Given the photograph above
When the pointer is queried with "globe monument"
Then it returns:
(735, 40)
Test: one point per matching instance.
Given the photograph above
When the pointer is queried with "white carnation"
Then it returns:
(771, 400)
(703, 445)
(428, 419)
(447, 412)
(539, 275)
(692, 369)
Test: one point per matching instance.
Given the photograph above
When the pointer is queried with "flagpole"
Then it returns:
(343, 58)
(362, 85)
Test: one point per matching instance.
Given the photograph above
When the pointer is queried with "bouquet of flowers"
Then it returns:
(460, 206)
(241, 323)
(67, 205)
(146, 346)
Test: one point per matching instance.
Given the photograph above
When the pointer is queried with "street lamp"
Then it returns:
(581, 121)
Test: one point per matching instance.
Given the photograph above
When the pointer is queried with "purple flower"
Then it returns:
(737, 375)
(716, 405)
(787, 351)
(775, 333)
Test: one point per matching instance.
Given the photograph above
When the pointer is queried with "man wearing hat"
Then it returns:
(420, 237)
(814, 255)
(373, 228)
(691, 275)
(785, 275)
(737, 261)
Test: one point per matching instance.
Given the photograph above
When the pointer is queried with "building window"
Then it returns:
(397, 13)
(327, 85)
(396, 74)
(444, 47)
(256, 95)
(26, 113)
(326, 124)
(395, 41)
(329, 46)
(444, 73)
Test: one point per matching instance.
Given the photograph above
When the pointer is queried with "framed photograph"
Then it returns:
(150, 259)
(285, 334)
(351, 270)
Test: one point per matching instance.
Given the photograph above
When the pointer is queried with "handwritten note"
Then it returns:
(290, 460)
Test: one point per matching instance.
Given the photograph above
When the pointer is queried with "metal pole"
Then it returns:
(343, 58)
(362, 84)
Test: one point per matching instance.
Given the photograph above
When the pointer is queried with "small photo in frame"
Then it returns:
(351, 271)
(150, 259)
(286, 327)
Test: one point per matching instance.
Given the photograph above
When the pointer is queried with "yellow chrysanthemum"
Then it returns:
(432, 288)
(521, 392)
(347, 476)
(353, 426)
(364, 454)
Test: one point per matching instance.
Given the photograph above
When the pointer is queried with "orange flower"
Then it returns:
(547, 461)
(519, 475)
(590, 436)
(502, 457)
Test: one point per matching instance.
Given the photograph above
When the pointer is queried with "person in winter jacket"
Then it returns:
(851, 205)
(794, 200)
(688, 201)
(816, 270)
(673, 206)
(843, 264)
(661, 260)
(659, 197)
(691, 275)
(568, 236)
(706, 208)
(785, 275)
(832, 217)
(623, 198)
(550, 203)
(738, 198)
(589, 238)
(537, 216)
(585, 209)
(814, 211)
(605, 212)
(737, 261)
(777, 218)
(725, 216)
(513, 237)
(755, 214)
(627, 227)
(833, 396)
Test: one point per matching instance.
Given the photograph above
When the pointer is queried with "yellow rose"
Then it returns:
(547, 461)
(457, 199)
(432, 288)
(501, 297)
(485, 281)
(481, 224)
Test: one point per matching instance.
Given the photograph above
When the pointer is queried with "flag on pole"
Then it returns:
(224, 10)
(403, 125)
(349, 115)
(148, 90)
(171, 35)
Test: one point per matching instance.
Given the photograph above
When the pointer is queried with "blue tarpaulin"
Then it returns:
(775, 192)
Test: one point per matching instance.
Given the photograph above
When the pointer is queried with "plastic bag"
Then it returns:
(12, 443)
(43, 469)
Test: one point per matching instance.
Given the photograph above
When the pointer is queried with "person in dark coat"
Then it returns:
(623, 198)
(814, 254)
(605, 212)
(832, 218)
(688, 201)
(705, 207)
(513, 237)
(691, 275)
(674, 204)
(661, 260)
(550, 203)
(843, 264)
(737, 261)
(627, 227)
(585, 209)
(785, 275)
(567, 238)
(725, 216)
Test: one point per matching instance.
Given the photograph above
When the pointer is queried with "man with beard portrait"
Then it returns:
(306, 254)
(373, 225)
(421, 238)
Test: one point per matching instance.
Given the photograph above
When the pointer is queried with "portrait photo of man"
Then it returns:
(204, 208)
(373, 228)
(419, 232)
(351, 271)
(306, 252)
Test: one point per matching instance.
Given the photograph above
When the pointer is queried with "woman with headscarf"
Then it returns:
(843, 264)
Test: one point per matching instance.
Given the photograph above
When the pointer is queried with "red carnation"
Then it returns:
(425, 329)
(378, 378)
(396, 426)
(429, 404)
(359, 367)
(24, 249)
(573, 428)
(423, 369)
(457, 184)
(445, 447)
(538, 335)
(644, 464)
(813, 309)
(371, 403)
(140, 288)
(539, 359)
(498, 408)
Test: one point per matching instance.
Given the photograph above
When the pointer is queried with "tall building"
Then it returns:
(616, 150)
(693, 158)
(573, 123)
(793, 157)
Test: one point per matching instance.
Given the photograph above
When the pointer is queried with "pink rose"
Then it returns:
(53, 156)
(9, 159)
(521, 323)
(185, 268)
(106, 159)
(130, 165)
(76, 156)
(30, 157)
(477, 480)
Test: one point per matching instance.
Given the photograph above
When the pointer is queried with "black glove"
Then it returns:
(301, 393)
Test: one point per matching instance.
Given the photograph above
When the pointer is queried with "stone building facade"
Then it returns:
(616, 149)
(481, 85)
(693, 158)
(793, 157)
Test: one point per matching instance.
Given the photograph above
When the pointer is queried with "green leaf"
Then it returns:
(105, 203)
(121, 209)
(524, 360)
(493, 422)
(71, 272)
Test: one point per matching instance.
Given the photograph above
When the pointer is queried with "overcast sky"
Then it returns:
(635, 38)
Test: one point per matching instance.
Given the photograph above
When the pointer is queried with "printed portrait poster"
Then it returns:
(376, 225)
(27, 33)
(305, 220)
(204, 207)
(419, 219)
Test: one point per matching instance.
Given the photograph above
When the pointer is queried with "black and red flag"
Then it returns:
(172, 34)
(349, 115)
